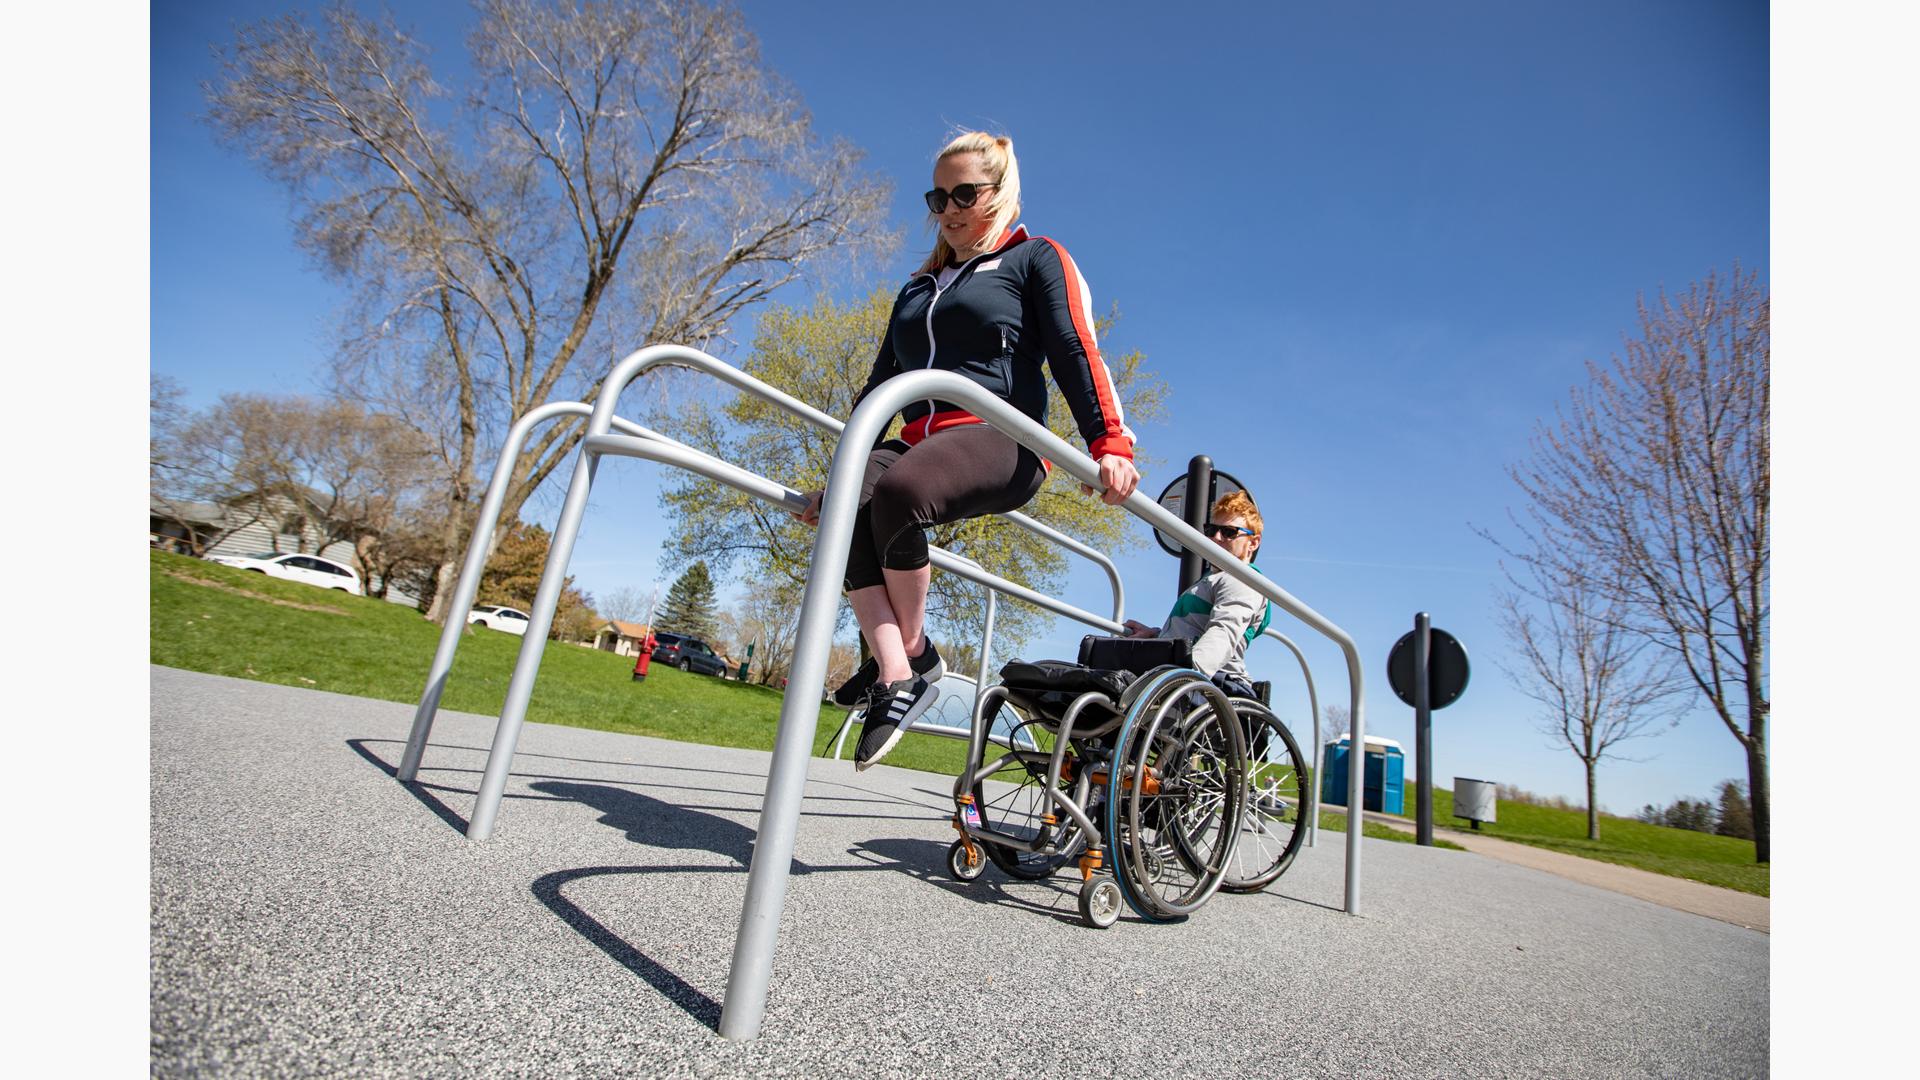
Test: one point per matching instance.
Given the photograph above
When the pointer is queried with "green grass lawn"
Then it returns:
(1335, 821)
(1715, 860)
(212, 618)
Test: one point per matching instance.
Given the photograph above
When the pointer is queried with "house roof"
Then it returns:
(197, 512)
(628, 629)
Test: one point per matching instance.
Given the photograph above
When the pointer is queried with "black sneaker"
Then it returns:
(927, 665)
(891, 709)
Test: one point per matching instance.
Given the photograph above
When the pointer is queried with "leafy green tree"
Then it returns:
(689, 608)
(1736, 817)
(1694, 815)
(822, 356)
(512, 577)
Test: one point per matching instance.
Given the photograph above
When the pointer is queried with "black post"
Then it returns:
(1196, 509)
(1422, 730)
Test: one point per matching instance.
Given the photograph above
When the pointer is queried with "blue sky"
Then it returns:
(1366, 245)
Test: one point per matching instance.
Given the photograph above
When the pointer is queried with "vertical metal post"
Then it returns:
(986, 653)
(468, 584)
(752, 967)
(1312, 810)
(1422, 730)
(526, 665)
(1195, 511)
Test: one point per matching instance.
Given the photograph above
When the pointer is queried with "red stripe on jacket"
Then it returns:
(1115, 440)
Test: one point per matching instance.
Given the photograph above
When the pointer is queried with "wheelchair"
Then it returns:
(1161, 786)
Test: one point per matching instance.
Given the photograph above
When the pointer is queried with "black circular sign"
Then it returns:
(1175, 500)
(1446, 668)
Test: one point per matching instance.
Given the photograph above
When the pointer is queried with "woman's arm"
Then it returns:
(1062, 304)
(1063, 307)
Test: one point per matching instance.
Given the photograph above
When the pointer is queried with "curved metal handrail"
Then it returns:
(1313, 765)
(740, 380)
(752, 963)
(799, 717)
(468, 583)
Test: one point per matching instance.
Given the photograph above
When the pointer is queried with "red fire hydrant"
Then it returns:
(645, 657)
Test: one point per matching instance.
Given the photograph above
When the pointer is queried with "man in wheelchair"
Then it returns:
(1220, 614)
(1142, 765)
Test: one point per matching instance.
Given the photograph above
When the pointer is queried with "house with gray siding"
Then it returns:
(275, 525)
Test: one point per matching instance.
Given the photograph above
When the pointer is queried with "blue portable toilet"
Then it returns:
(1384, 774)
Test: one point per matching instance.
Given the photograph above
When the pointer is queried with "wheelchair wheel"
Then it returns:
(1013, 800)
(1100, 902)
(1174, 799)
(965, 862)
(1272, 828)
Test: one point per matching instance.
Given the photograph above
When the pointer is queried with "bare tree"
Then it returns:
(1659, 471)
(405, 553)
(618, 173)
(326, 470)
(1335, 721)
(247, 453)
(768, 613)
(367, 473)
(1591, 675)
(628, 603)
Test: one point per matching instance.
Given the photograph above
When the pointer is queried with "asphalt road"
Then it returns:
(313, 916)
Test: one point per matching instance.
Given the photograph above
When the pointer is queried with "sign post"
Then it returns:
(1200, 476)
(1427, 669)
(1199, 479)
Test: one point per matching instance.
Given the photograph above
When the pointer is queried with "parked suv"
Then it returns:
(687, 654)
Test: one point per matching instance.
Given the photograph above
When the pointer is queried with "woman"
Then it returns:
(991, 303)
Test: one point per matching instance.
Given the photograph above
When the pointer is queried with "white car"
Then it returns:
(499, 618)
(311, 569)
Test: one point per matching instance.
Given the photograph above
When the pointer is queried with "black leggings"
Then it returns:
(958, 473)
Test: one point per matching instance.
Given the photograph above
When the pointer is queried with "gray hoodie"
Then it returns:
(1221, 616)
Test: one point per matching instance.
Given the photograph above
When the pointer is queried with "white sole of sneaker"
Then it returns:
(919, 709)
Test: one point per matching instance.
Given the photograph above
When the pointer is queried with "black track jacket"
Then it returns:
(1010, 308)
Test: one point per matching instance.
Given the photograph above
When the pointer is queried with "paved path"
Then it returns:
(1680, 894)
(311, 916)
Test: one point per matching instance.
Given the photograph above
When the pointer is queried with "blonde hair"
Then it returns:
(1239, 504)
(1003, 171)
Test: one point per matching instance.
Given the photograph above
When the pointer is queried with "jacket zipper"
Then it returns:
(926, 428)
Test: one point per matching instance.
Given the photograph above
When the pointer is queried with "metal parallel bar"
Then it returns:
(593, 447)
(741, 380)
(752, 963)
(468, 585)
(986, 648)
(787, 498)
(566, 532)
(1313, 702)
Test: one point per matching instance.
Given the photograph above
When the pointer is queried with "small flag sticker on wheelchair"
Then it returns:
(972, 815)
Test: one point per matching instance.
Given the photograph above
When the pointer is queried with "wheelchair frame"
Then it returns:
(1138, 794)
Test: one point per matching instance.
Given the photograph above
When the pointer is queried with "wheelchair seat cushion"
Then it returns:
(1138, 655)
(1041, 677)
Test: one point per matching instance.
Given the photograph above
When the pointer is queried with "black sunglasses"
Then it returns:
(1224, 532)
(963, 196)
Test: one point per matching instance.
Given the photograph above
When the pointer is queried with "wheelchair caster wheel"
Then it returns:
(966, 862)
(1100, 902)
